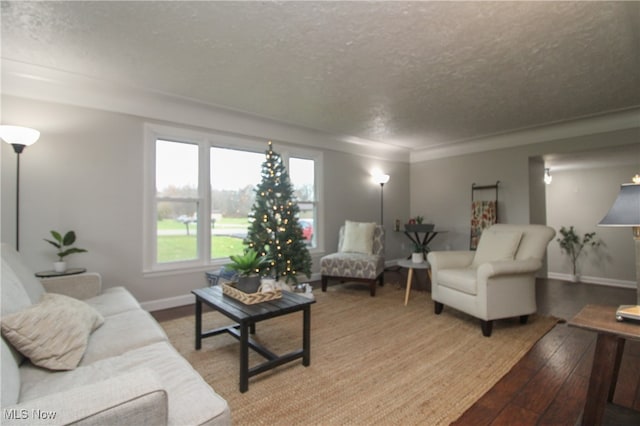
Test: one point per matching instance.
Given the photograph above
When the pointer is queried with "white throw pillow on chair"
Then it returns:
(358, 237)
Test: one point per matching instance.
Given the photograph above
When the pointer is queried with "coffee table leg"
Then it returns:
(198, 323)
(306, 336)
(244, 356)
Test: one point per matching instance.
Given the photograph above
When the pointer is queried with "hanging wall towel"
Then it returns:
(483, 215)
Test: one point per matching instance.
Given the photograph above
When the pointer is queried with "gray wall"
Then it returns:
(86, 174)
(581, 198)
(351, 195)
(441, 191)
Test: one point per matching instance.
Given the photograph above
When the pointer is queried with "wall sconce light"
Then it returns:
(20, 138)
(547, 176)
(381, 178)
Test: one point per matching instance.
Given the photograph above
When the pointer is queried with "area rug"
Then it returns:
(373, 361)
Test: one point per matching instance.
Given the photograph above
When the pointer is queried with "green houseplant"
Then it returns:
(248, 266)
(63, 244)
(573, 245)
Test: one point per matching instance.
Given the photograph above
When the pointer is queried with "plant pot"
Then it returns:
(417, 257)
(248, 284)
(59, 266)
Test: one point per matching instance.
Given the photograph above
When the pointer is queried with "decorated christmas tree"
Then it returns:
(274, 229)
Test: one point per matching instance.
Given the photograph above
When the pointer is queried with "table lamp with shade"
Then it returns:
(625, 212)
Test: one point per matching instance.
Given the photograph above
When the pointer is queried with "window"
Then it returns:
(177, 201)
(201, 191)
(234, 176)
(302, 174)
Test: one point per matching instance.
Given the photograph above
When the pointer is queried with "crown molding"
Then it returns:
(619, 120)
(49, 85)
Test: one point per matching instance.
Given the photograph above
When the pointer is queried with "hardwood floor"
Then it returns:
(549, 385)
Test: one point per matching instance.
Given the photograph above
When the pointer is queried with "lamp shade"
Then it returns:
(626, 208)
(381, 178)
(18, 135)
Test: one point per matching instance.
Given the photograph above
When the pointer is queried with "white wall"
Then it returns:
(441, 190)
(86, 174)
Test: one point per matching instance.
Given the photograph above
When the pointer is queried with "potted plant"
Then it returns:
(571, 244)
(63, 243)
(417, 255)
(248, 267)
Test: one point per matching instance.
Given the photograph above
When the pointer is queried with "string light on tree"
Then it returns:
(276, 206)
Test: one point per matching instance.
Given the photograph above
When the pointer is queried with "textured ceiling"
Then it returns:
(410, 74)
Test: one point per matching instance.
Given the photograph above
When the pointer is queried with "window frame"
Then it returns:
(205, 141)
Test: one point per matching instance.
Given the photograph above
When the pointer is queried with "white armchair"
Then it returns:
(497, 280)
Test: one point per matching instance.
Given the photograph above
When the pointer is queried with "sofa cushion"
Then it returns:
(191, 399)
(355, 265)
(358, 237)
(9, 362)
(121, 333)
(54, 332)
(464, 280)
(31, 284)
(112, 301)
(496, 245)
(14, 297)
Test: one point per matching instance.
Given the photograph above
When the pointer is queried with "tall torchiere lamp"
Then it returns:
(381, 178)
(20, 138)
(626, 212)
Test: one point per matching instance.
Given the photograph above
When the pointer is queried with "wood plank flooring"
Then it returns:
(548, 386)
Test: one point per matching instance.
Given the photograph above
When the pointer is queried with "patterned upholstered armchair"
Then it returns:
(360, 257)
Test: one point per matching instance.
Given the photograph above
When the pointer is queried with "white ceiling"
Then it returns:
(416, 75)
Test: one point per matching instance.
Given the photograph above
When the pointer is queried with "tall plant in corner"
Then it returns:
(571, 244)
(63, 243)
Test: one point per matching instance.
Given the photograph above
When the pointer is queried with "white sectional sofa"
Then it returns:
(128, 373)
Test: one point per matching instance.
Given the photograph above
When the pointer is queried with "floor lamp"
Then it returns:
(626, 212)
(381, 179)
(20, 138)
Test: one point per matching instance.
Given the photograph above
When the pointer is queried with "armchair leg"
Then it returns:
(324, 280)
(372, 288)
(524, 319)
(381, 278)
(437, 308)
(487, 327)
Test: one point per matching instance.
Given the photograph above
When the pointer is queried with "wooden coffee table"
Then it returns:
(246, 317)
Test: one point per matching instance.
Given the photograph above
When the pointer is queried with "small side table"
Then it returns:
(51, 274)
(608, 354)
(410, 265)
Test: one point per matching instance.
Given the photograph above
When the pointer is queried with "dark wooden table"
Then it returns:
(606, 362)
(422, 242)
(246, 317)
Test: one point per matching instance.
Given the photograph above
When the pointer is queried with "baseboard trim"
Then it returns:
(594, 280)
(169, 302)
